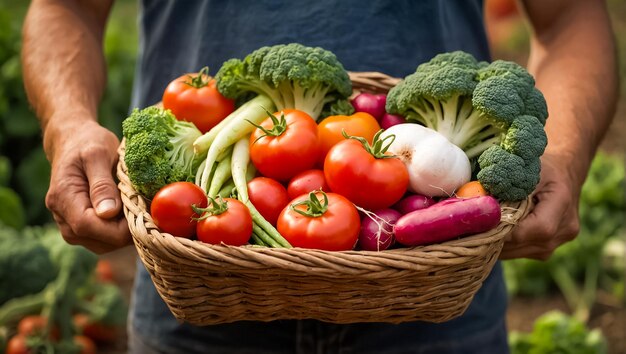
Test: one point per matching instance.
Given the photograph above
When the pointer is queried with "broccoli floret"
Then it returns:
(291, 75)
(159, 149)
(478, 106)
(338, 108)
(25, 265)
(506, 175)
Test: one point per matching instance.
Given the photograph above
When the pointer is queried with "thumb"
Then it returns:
(103, 191)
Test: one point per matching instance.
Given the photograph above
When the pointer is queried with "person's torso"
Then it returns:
(391, 37)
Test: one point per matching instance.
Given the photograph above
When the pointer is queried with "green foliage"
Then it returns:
(291, 75)
(159, 149)
(555, 332)
(490, 110)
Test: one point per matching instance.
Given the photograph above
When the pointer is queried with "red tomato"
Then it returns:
(226, 220)
(95, 331)
(17, 345)
(330, 130)
(364, 176)
(87, 346)
(35, 325)
(268, 196)
(172, 209)
(331, 222)
(307, 181)
(195, 98)
(286, 146)
(104, 271)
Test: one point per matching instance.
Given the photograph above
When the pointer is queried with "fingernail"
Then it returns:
(105, 206)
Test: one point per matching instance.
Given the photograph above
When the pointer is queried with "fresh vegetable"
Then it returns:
(289, 76)
(332, 128)
(377, 229)
(159, 149)
(319, 220)
(23, 262)
(556, 332)
(219, 140)
(264, 232)
(17, 345)
(413, 202)
(284, 144)
(371, 103)
(471, 189)
(307, 181)
(269, 197)
(292, 75)
(225, 221)
(46, 315)
(104, 271)
(195, 98)
(493, 112)
(94, 330)
(436, 167)
(448, 219)
(86, 345)
(36, 325)
(172, 208)
(365, 173)
(389, 120)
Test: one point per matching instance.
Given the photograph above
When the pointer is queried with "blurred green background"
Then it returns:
(584, 279)
(23, 165)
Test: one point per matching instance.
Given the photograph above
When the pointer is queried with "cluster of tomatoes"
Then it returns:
(311, 180)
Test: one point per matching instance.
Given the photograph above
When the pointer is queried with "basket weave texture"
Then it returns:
(206, 284)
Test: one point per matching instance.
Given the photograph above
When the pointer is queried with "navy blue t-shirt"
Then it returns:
(391, 37)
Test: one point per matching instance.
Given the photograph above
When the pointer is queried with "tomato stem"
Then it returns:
(216, 206)
(200, 80)
(378, 148)
(314, 207)
(278, 128)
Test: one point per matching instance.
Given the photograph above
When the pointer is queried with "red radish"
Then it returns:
(373, 104)
(448, 219)
(389, 120)
(377, 229)
(413, 202)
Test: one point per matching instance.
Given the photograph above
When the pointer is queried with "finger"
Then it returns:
(525, 251)
(75, 207)
(103, 191)
(95, 246)
(543, 222)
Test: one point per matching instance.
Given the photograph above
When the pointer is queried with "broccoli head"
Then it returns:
(291, 75)
(479, 106)
(26, 266)
(159, 149)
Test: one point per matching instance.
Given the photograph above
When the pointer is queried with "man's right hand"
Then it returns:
(83, 196)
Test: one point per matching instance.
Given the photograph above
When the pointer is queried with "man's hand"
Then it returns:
(581, 93)
(83, 196)
(554, 218)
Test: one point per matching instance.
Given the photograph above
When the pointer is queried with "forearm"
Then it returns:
(573, 60)
(63, 62)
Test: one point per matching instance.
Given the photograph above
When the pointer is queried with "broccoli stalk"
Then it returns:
(291, 75)
(490, 110)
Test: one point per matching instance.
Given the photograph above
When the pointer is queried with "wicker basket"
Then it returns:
(209, 284)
